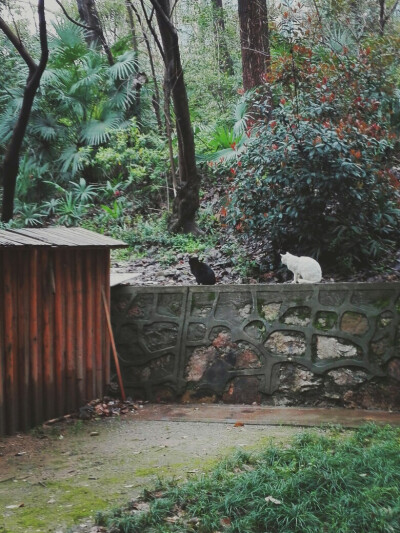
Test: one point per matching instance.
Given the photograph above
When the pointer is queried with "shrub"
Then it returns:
(316, 178)
(138, 162)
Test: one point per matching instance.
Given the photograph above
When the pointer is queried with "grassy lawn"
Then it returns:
(336, 481)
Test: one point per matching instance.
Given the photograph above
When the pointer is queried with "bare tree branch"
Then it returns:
(11, 158)
(150, 26)
(71, 19)
(392, 10)
(23, 52)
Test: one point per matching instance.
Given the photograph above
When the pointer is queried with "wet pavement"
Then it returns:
(262, 415)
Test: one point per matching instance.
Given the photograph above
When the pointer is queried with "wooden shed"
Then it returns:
(54, 342)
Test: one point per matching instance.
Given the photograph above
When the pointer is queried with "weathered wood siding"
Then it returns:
(54, 346)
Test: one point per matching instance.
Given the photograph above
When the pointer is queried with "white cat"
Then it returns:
(305, 269)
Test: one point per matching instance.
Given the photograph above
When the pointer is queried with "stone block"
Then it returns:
(286, 343)
(141, 307)
(217, 330)
(196, 331)
(385, 319)
(234, 306)
(347, 377)
(222, 340)
(155, 370)
(325, 320)
(381, 393)
(393, 369)
(217, 375)
(246, 358)
(170, 304)
(354, 323)
(297, 316)
(333, 348)
(294, 379)
(202, 304)
(269, 311)
(160, 335)
(242, 389)
(379, 347)
(255, 330)
(199, 361)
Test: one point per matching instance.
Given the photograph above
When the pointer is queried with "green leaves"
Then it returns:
(125, 65)
(97, 131)
(325, 153)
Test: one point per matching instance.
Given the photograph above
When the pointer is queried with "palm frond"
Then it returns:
(68, 44)
(123, 97)
(339, 37)
(7, 123)
(96, 131)
(125, 65)
(45, 126)
(71, 160)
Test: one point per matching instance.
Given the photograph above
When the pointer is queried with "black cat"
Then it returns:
(203, 273)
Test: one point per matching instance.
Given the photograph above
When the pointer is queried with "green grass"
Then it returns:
(332, 482)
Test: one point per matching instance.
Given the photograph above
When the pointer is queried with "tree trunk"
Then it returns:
(95, 35)
(254, 41)
(187, 201)
(11, 158)
(382, 21)
(384, 16)
(156, 100)
(224, 58)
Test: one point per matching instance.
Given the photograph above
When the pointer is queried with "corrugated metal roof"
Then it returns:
(57, 236)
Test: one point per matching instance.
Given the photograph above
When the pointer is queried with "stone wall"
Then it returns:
(324, 344)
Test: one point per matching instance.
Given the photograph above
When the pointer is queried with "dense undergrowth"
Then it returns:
(321, 482)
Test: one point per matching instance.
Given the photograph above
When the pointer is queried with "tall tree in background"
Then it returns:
(385, 13)
(224, 57)
(186, 202)
(11, 158)
(94, 34)
(254, 41)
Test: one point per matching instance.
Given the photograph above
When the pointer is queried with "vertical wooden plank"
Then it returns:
(59, 331)
(89, 306)
(48, 334)
(79, 326)
(34, 345)
(98, 336)
(23, 284)
(107, 341)
(2, 354)
(10, 341)
(70, 331)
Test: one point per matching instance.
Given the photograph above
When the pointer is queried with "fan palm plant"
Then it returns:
(82, 100)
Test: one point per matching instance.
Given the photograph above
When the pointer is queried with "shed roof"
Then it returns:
(57, 236)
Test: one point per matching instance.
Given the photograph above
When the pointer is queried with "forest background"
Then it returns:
(231, 129)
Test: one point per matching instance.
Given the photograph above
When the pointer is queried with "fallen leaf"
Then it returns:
(273, 500)
(16, 506)
(238, 424)
(225, 522)
(172, 519)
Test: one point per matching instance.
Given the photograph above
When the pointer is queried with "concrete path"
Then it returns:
(261, 415)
